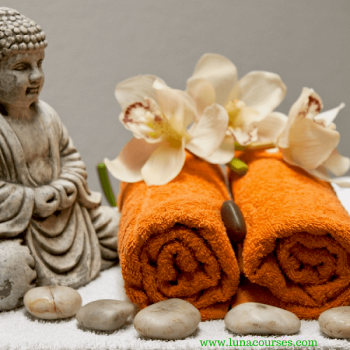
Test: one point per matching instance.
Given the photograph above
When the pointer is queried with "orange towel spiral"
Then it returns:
(296, 252)
(173, 244)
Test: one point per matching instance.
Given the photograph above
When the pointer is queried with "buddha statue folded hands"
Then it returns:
(53, 229)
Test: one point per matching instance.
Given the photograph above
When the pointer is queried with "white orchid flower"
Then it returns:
(164, 122)
(249, 102)
(310, 139)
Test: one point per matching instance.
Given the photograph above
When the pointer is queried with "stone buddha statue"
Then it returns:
(53, 229)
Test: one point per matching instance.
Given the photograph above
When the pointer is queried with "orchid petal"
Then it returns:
(308, 105)
(311, 144)
(234, 93)
(288, 156)
(208, 134)
(263, 91)
(136, 89)
(127, 166)
(326, 118)
(177, 106)
(337, 163)
(202, 91)
(245, 137)
(139, 119)
(251, 116)
(159, 84)
(322, 174)
(164, 164)
(299, 110)
(271, 127)
(220, 72)
(225, 153)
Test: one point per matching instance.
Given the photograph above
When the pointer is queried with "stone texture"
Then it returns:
(336, 322)
(234, 221)
(169, 319)
(44, 194)
(104, 315)
(256, 318)
(52, 302)
(17, 273)
(106, 224)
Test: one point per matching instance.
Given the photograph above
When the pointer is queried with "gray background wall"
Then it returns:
(94, 44)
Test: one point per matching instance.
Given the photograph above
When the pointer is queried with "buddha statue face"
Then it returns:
(21, 79)
(22, 44)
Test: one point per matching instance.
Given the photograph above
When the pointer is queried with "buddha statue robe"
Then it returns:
(67, 243)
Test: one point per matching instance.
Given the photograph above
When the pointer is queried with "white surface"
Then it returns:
(19, 330)
(343, 194)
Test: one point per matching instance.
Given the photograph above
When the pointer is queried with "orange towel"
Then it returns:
(296, 252)
(173, 244)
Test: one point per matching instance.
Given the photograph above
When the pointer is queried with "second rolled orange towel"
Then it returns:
(173, 244)
(296, 254)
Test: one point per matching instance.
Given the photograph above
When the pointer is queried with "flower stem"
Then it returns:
(239, 147)
(103, 175)
(260, 146)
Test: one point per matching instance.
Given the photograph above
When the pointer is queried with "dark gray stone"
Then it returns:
(234, 221)
(105, 315)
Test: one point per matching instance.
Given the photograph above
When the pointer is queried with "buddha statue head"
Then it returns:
(22, 44)
(19, 34)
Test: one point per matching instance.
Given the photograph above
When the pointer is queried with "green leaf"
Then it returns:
(103, 175)
(238, 166)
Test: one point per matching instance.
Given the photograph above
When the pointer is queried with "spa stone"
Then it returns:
(104, 315)
(52, 302)
(234, 221)
(169, 319)
(336, 322)
(256, 318)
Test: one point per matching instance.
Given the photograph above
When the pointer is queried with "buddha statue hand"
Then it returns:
(46, 201)
(67, 192)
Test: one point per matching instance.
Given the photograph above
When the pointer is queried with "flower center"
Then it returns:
(234, 109)
(161, 128)
(146, 121)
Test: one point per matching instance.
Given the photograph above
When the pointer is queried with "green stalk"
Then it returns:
(103, 175)
(238, 147)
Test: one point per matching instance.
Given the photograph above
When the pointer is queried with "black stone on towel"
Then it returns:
(234, 221)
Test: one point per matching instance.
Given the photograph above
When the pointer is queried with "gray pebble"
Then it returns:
(105, 315)
(52, 302)
(336, 322)
(168, 319)
(256, 318)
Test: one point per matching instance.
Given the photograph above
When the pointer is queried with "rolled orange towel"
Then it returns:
(173, 244)
(296, 252)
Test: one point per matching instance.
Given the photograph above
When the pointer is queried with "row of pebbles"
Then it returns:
(173, 318)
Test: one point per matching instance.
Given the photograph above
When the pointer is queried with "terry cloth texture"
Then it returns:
(296, 252)
(173, 244)
(20, 331)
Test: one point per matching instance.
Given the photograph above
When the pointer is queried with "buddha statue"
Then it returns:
(53, 230)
